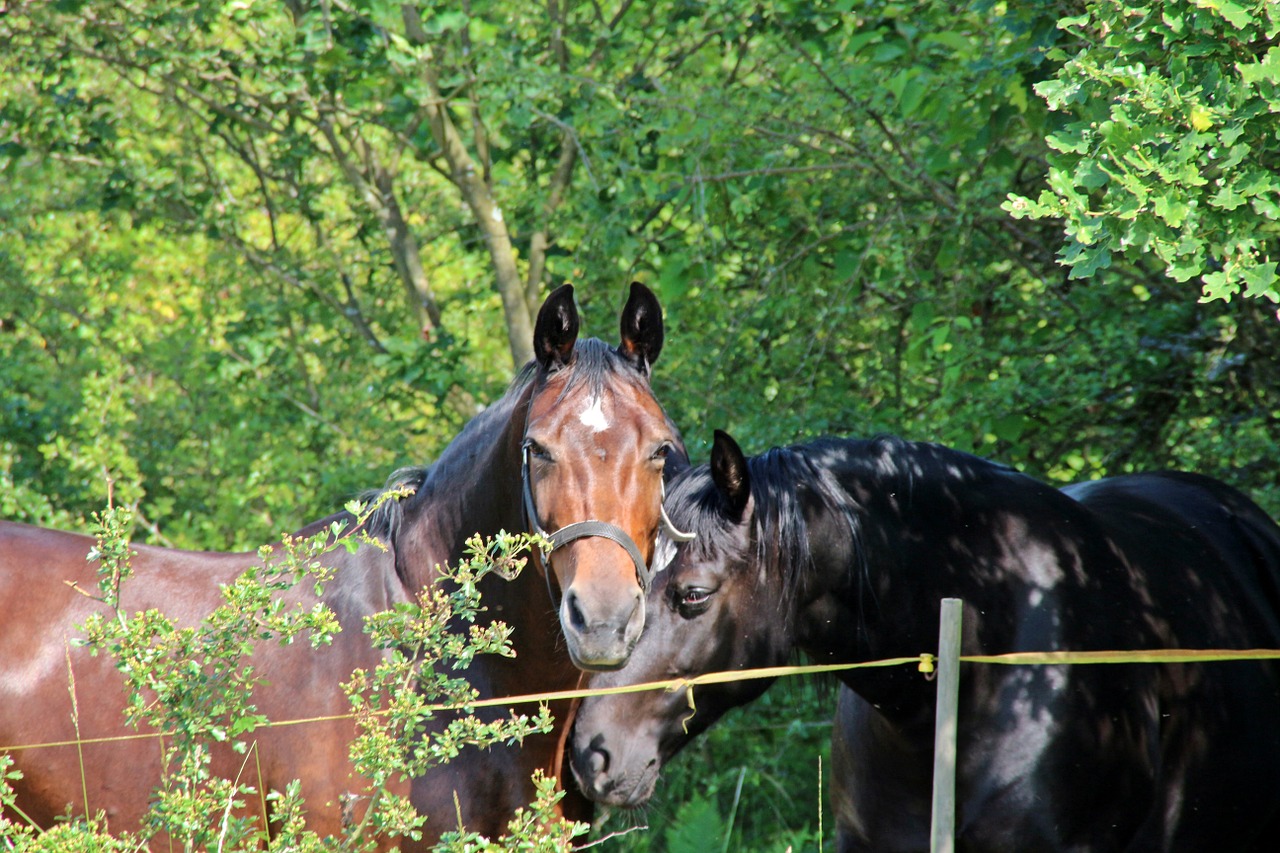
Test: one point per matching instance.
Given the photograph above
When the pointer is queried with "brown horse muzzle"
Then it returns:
(599, 630)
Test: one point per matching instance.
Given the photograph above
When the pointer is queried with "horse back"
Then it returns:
(1190, 752)
(1207, 555)
(1205, 566)
(53, 692)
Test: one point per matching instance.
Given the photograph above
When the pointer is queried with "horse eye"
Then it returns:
(537, 451)
(693, 601)
(660, 455)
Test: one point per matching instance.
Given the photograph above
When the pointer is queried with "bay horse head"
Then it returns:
(714, 610)
(595, 451)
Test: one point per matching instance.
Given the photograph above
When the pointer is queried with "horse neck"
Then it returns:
(472, 488)
(528, 607)
(872, 590)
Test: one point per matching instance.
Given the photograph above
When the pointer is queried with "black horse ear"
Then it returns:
(556, 330)
(729, 472)
(641, 328)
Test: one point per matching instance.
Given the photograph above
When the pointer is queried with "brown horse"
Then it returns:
(578, 437)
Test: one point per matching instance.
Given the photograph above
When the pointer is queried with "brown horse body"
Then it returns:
(52, 691)
(598, 440)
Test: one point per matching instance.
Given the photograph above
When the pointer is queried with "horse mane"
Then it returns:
(783, 481)
(779, 528)
(388, 508)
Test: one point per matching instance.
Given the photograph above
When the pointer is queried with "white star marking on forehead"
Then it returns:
(593, 416)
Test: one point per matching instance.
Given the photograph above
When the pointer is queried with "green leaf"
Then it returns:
(1069, 22)
(1217, 285)
(1073, 139)
(1185, 269)
(1091, 175)
(1260, 281)
(1227, 198)
(1172, 209)
(1087, 260)
(1266, 69)
(911, 95)
(958, 42)
(1235, 14)
(698, 827)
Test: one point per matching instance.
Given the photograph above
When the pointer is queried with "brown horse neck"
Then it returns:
(473, 488)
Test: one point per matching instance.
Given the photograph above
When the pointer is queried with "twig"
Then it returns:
(610, 836)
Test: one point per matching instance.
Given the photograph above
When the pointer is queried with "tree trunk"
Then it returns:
(470, 182)
(379, 194)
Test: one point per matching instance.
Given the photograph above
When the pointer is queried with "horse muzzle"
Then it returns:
(613, 783)
(600, 635)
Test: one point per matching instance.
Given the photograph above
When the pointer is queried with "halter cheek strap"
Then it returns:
(592, 527)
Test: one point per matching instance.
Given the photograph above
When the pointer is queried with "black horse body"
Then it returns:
(844, 549)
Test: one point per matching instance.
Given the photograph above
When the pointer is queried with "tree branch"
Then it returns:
(539, 240)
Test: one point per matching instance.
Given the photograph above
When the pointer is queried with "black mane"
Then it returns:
(384, 522)
(787, 481)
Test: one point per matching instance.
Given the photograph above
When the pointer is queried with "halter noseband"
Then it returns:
(592, 527)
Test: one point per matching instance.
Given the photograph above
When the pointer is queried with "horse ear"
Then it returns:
(641, 328)
(729, 472)
(556, 330)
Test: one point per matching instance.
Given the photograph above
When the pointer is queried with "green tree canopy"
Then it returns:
(255, 255)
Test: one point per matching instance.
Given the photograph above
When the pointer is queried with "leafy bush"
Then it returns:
(196, 684)
(1172, 148)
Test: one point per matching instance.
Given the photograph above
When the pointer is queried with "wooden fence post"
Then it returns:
(942, 830)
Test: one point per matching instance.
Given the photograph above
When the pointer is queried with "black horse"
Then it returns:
(844, 548)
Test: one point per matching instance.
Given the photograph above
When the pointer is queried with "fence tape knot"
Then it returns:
(693, 709)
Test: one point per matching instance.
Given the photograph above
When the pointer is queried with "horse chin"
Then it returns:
(593, 657)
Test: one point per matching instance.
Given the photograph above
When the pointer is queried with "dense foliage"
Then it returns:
(257, 254)
(1173, 148)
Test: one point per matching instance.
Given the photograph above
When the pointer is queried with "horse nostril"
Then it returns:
(598, 764)
(576, 619)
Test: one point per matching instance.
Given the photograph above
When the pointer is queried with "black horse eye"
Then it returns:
(660, 455)
(692, 601)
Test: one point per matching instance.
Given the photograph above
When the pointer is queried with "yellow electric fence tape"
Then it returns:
(924, 662)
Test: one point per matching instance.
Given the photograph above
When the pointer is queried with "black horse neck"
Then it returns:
(899, 526)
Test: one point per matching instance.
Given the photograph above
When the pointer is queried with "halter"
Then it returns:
(592, 527)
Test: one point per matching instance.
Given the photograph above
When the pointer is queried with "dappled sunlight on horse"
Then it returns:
(844, 549)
